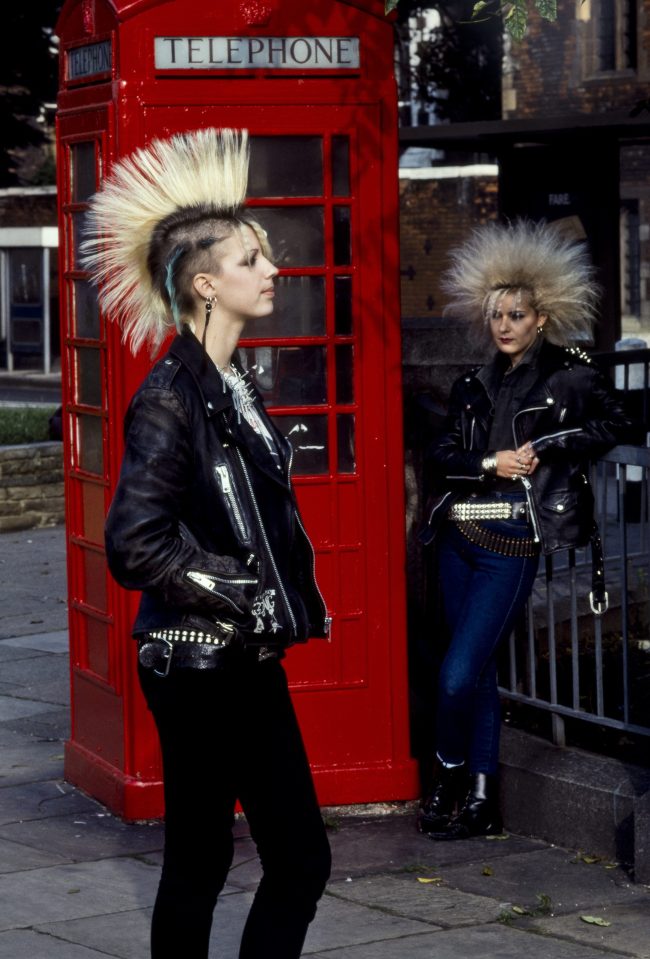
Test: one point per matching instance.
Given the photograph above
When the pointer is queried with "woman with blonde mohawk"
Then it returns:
(205, 523)
(511, 461)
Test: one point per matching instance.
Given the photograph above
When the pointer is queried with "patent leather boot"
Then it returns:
(448, 792)
(479, 815)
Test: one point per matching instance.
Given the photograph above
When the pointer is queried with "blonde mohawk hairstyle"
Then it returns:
(553, 270)
(153, 210)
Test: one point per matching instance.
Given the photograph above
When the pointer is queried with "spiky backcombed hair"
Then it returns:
(536, 258)
(203, 173)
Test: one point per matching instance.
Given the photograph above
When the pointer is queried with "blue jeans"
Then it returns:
(483, 594)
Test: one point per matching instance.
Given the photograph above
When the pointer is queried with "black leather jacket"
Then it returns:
(571, 414)
(203, 521)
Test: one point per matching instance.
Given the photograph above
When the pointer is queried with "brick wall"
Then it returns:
(28, 208)
(436, 214)
(553, 71)
(31, 486)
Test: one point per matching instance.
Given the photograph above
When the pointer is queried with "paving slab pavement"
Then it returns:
(77, 883)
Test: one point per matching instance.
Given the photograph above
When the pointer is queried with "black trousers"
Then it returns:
(226, 734)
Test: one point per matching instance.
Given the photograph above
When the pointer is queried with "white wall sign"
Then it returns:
(256, 53)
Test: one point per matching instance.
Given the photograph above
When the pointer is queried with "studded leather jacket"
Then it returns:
(571, 414)
(204, 520)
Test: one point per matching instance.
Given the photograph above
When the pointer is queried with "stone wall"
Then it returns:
(31, 486)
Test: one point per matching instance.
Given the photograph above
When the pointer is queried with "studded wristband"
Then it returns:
(489, 463)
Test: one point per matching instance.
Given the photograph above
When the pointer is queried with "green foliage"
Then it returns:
(513, 12)
(28, 80)
(547, 9)
(459, 67)
(516, 19)
(20, 424)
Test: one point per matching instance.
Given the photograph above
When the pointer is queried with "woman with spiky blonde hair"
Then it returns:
(511, 461)
(204, 522)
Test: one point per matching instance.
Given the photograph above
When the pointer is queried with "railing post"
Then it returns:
(558, 730)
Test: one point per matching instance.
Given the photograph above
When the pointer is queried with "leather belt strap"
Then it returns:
(226, 636)
(598, 597)
(194, 649)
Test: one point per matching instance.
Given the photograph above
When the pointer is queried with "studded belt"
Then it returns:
(488, 509)
(194, 649)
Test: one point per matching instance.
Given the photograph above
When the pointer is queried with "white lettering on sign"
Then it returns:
(256, 53)
(89, 60)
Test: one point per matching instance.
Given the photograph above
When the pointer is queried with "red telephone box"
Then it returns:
(313, 84)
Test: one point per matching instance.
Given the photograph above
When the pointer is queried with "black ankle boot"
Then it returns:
(480, 813)
(449, 789)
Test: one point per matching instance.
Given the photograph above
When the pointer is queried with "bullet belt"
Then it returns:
(195, 649)
(496, 542)
(488, 509)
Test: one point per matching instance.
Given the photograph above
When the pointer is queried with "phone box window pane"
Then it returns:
(308, 437)
(95, 579)
(341, 166)
(288, 375)
(78, 227)
(90, 450)
(82, 169)
(343, 305)
(97, 639)
(296, 234)
(89, 377)
(86, 310)
(342, 237)
(286, 166)
(299, 310)
(344, 373)
(345, 443)
(93, 512)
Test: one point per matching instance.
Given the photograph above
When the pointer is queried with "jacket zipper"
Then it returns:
(228, 492)
(551, 436)
(327, 619)
(266, 541)
(528, 487)
(438, 505)
(531, 409)
(524, 479)
(206, 581)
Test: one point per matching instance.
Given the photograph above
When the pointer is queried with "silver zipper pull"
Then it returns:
(224, 478)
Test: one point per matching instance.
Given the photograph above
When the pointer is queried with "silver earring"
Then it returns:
(209, 303)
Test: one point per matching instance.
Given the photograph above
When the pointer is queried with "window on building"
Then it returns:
(630, 261)
(615, 25)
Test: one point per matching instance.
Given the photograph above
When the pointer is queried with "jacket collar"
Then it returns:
(186, 348)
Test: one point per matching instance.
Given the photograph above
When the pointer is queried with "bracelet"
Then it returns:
(489, 463)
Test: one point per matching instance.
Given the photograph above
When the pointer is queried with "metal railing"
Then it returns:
(569, 661)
